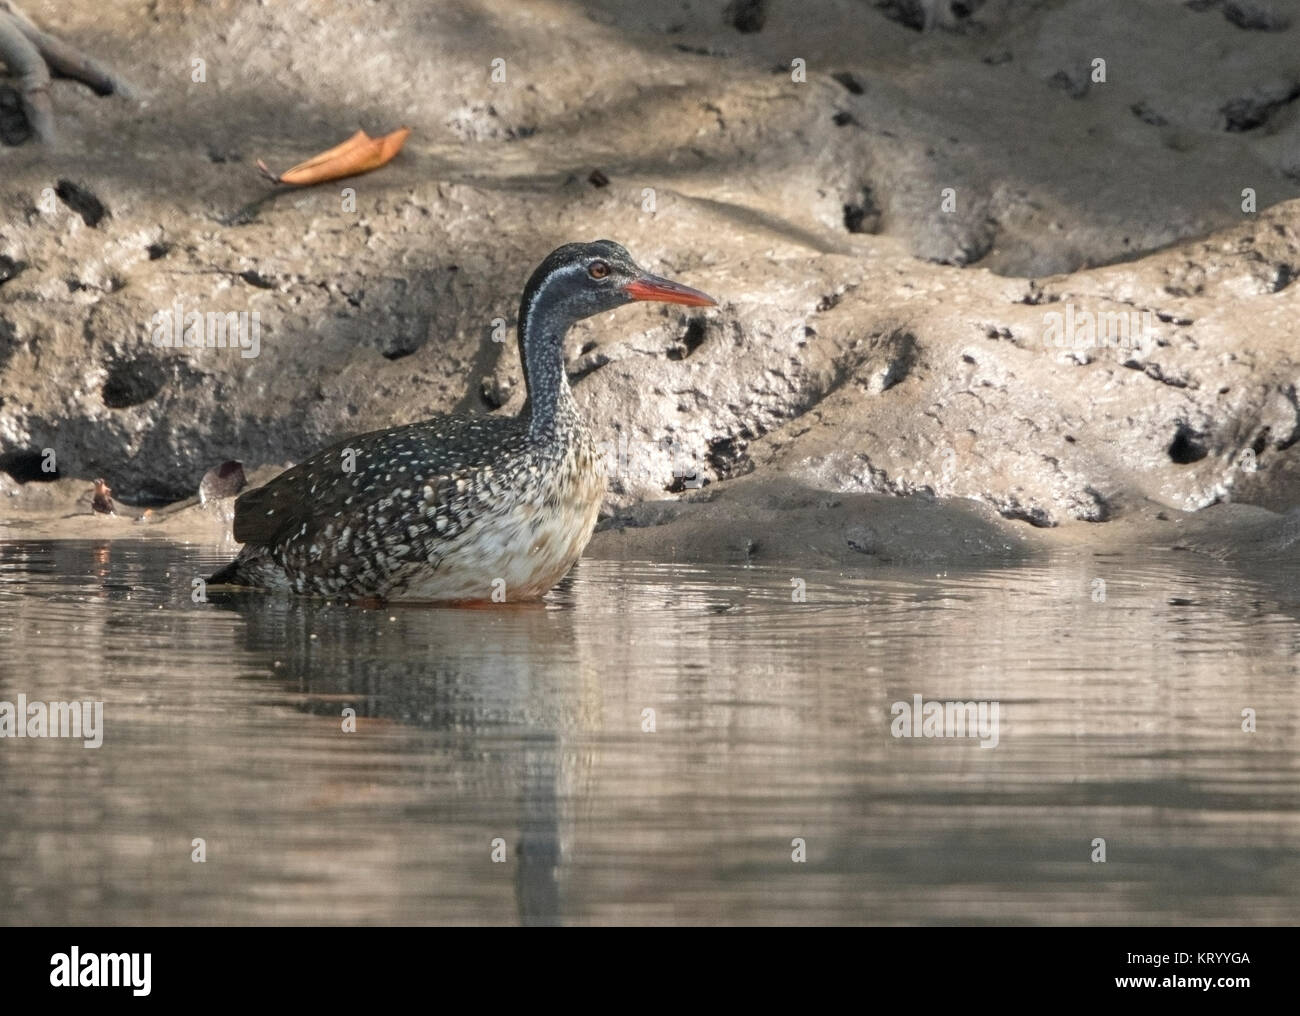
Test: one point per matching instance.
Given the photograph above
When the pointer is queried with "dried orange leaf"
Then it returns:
(358, 154)
(356, 141)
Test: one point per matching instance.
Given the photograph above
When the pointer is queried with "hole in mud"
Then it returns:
(494, 391)
(1075, 85)
(1254, 17)
(1035, 296)
(908, 13)
(398, 350)
(727, 455)
(590, 362)
(158, 250)
(747, 16)
(25, 466)
(864, 215)
(681, 484)
(1250, 112)
(851, 83)
(9, 268)
(253, 278)
(919, 15)
(902, 358)
(14, 128)
(1187, 446)
(81, 201)
(691, 340)
(132, 383)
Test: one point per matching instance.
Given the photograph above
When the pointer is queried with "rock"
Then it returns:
(225, 480)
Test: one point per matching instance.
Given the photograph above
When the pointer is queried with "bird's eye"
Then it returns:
(598, 270)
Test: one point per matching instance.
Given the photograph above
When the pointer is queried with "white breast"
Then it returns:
(521, 551)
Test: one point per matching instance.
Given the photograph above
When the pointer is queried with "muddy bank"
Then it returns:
(971, 289)
(753, 521)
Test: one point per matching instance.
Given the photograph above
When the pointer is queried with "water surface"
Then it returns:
(1120, 719)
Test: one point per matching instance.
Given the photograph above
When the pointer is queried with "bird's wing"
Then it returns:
(344, 478)
(266, 513)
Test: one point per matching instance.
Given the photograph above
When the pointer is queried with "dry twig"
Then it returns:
(32, 55)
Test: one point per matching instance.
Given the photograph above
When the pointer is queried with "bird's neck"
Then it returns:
(550, 408)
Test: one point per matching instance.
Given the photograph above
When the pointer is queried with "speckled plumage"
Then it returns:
(435, 510)
(454, 508)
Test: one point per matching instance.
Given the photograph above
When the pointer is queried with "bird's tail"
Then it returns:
(232, 574)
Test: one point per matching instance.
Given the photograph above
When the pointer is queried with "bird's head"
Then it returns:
(581, 279)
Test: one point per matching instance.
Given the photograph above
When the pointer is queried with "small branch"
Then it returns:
(24, 59)
(14, 11)
(266, 172)
(69, 62)
(64, 59)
